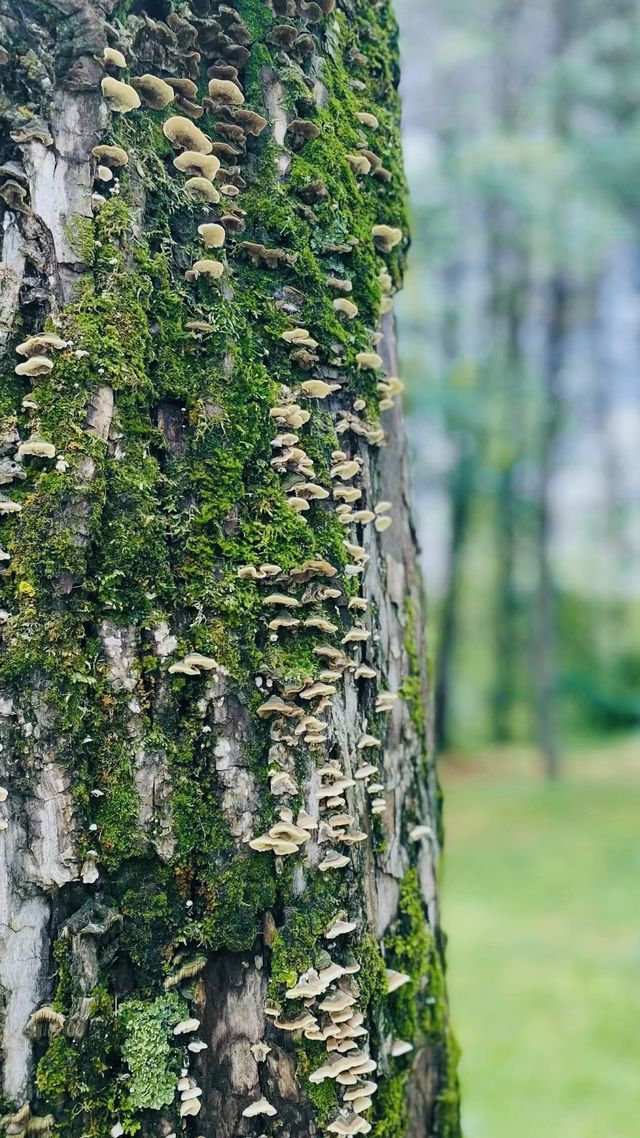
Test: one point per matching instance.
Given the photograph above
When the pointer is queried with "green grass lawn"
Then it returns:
(542, 909)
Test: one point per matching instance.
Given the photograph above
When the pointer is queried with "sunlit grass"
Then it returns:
(541, 904)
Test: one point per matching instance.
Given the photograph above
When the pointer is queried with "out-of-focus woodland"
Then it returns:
(521, 341)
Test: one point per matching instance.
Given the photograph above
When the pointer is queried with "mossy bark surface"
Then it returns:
(145, 469)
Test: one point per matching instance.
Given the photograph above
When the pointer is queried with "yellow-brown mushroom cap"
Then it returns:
(185, 135)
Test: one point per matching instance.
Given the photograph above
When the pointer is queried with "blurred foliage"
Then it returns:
(524, 162)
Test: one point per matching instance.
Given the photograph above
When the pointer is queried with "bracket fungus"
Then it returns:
(205, 268)
(154, 92)
(367, 119)
(386, 237)
(318, 388)
(200, 189)
(345, 307)
(395, 980)
(212, 234)
(34, 365)
(39, 448)
(197, 164)
(119, 96)
(184, 135)
(186, 1026)
(225, 91)
(260, 1106)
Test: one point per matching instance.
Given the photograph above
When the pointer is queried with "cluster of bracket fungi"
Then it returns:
(324, 1000)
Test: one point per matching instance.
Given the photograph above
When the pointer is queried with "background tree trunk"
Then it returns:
(163, 703)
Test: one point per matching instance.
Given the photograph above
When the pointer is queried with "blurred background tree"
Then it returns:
(521, 338)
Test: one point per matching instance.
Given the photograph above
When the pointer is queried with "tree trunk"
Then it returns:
(544, 630)
(218, 792)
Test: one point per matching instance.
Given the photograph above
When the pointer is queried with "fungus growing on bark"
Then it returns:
(43, 340)
(45, 1017)
(318, 388)
(104, 174)
(275, 705)
(400, 1047)
(184, 135)
(295, 335)
(347, 493)
(182, 669)
(282, 783)
(385, 700)
(369, 360)
(346, 470)
(386, 237)
(301, 131)
(260, 1051)
(110, 155)
(300, 1023)
(322, 625)
(113, 58)
(182, 86)
(382, 523)
(212, 234)
(367, 741)
(367, 119)
(186, 1026)
(34, 365)
(317, 691)
(89, 872)
(270, 258)
(419, 832)
(260, 1106)
(201, 190)
(345, 307)
(365, 771)
(332, 860)
(119, 96)
(154, 92)
(39, 448)
(9, 507)
(225, 91)
(197, 165)
(359, 163)
(395, 980)
(355, 634)
(349, 1124)
(205, 268)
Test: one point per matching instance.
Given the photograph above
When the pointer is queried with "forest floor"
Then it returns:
(542, 910)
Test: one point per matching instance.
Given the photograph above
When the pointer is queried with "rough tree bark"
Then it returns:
(217, 791)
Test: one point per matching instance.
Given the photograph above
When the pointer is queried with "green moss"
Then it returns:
(79, 232)
(412, 689)
(153, 1062)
